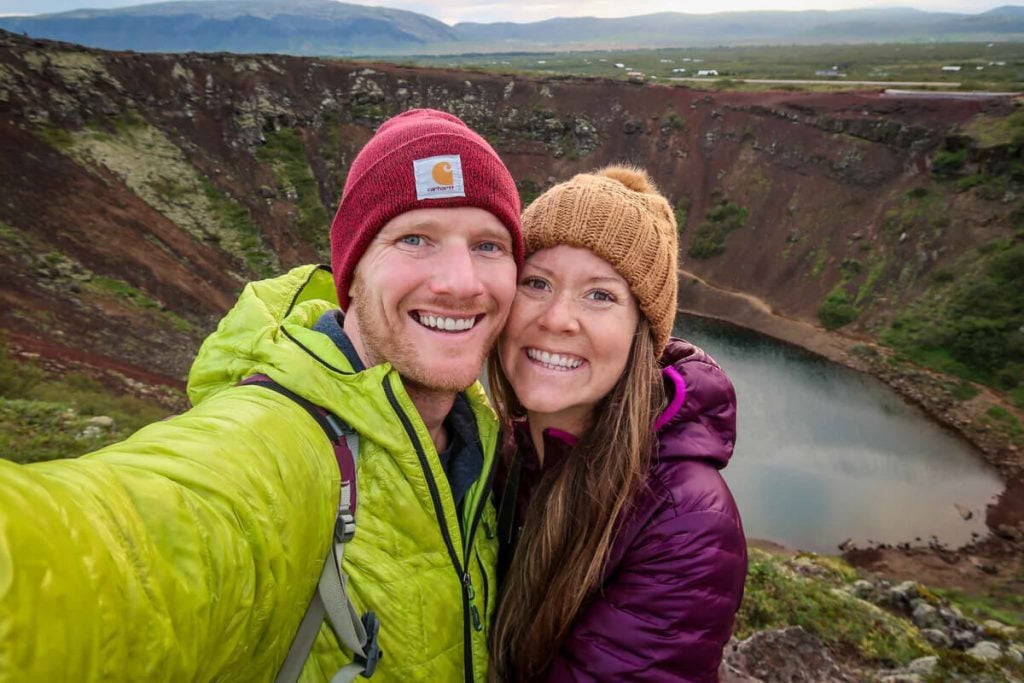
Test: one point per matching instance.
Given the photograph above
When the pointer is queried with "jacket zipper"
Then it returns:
(461, 570)
(483, 573)
(477, 516)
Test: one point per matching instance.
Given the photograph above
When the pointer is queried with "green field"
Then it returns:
(983, 66)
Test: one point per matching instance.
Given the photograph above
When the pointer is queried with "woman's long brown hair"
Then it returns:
(570, 521)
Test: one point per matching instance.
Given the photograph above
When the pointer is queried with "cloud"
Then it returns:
(524, 11)
(51, 6)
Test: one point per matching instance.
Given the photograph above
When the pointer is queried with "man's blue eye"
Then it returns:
(412, 240)
(490, 247)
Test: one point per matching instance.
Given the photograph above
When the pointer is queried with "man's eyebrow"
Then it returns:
(426, 224)
(429, 224)
(499, 233)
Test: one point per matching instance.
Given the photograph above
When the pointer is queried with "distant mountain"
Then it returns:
(325, 27)
(730, 28)
(302, 27)
(1006, 19)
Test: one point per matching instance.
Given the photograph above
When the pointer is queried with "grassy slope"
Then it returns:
(155, 169)
(46, 417)
(969, 320)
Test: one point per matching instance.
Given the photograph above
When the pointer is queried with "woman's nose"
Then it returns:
(560, 316)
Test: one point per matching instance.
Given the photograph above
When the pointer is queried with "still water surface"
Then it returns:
(825, 453)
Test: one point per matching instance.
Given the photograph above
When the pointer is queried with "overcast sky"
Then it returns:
(453, 11)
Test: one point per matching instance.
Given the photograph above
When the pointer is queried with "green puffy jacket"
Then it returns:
(190, 550)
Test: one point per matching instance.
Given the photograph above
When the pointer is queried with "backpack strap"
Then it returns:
(358, 634)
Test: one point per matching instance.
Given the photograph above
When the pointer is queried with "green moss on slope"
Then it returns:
(286, 154)
(777, 596)
(969, 323)
(156, 170)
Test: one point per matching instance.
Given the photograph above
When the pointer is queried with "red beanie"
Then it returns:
(420, 159)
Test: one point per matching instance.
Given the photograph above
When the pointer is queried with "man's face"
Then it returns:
(431, 294)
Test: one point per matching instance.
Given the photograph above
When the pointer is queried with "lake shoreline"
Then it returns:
(989, 560)
(917, 385)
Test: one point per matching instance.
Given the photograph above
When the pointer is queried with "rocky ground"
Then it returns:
(863, 627)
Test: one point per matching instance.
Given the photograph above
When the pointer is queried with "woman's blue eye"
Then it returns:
(412, 240)
(601, 295)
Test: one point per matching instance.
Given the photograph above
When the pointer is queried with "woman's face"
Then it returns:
(568, 336)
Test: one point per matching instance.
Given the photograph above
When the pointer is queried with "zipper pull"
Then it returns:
(477, 623)
(474, 613)
(488, 531)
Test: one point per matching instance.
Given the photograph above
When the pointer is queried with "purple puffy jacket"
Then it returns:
(676, 570)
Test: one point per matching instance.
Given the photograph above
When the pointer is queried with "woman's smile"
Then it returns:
(560, 362)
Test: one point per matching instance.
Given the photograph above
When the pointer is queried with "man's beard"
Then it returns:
(383, 344)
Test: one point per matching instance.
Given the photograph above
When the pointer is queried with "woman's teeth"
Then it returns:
(437, 322)
(554, 361)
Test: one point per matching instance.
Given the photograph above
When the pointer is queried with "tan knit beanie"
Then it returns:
(618, 214)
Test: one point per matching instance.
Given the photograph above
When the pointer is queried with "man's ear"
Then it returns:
(353, 288)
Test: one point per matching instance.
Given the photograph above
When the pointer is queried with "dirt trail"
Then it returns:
(756, 302)
(697, 296)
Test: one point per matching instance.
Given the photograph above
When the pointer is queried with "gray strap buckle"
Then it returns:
(344, 527)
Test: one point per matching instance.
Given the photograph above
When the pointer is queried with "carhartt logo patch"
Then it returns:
(438, 177)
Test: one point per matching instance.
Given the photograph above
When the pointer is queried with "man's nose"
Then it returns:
(457, 274)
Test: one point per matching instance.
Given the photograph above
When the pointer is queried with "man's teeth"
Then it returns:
(554, 360)
(447, 324)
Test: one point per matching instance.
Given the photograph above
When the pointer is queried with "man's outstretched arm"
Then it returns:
(187, 552)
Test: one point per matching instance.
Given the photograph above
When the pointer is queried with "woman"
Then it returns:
(629, 556)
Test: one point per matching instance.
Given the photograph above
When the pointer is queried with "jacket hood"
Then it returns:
(270, 331)
(700, 420)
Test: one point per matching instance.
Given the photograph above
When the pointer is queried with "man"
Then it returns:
(190, 551)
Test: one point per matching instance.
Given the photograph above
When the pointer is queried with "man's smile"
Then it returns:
(446, 323)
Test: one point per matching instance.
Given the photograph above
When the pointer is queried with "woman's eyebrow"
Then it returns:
(542, 269)
(608, 278)
(611, 279)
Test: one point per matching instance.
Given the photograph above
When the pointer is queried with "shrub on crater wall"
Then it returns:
(682, 211)
(719, 221)
(837, 310)
(948, 162)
